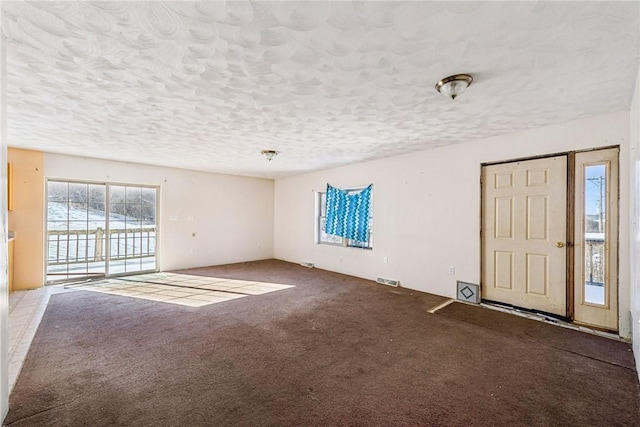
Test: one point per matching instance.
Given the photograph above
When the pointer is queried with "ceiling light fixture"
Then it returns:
(453, 86)
(269, 154)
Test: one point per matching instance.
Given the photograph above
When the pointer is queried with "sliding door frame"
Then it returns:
(107, 249)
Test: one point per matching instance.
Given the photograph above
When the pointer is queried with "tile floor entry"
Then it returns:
(176, 288)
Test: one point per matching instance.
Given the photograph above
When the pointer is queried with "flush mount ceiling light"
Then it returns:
(453, 86)
(269, 154)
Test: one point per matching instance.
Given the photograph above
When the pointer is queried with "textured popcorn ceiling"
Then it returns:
(207, 85)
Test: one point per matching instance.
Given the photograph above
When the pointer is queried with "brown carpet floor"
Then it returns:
(332, 351)
(596, 347)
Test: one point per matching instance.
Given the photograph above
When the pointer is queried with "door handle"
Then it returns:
(559, 244)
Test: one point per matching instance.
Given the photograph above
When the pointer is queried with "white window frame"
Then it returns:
(109, 269)
(323, 238)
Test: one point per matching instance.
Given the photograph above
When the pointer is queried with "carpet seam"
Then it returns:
(39, 413)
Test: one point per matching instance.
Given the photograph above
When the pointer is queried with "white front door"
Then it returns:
(524, 230)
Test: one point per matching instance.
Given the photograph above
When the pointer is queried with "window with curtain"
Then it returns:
(351, 219)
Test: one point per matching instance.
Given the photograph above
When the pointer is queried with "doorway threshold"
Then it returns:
(546, 318)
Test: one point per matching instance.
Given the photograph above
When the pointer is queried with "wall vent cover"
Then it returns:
(468, 292)
(390, 282)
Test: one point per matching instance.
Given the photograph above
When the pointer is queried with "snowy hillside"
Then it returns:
(58, 214)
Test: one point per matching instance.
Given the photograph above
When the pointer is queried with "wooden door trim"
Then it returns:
(544, 156)
(571, 211)
(571, 218)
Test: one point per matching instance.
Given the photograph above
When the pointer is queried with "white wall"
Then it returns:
(426, 207)
(4, 287)
(232, 216)
(635, 219)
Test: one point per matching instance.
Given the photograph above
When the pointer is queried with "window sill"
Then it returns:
(340, 245)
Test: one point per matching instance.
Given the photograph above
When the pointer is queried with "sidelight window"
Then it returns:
(595, 233)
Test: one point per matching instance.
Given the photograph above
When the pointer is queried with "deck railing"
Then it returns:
(82, 246)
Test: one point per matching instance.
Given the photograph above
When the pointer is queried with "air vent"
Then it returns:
(468, 292)
(307, 264)
(389, 282)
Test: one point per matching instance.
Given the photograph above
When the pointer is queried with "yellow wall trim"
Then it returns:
(26, 219)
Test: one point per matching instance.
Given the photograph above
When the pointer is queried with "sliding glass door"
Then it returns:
(75, 221)
(132, 229)
(99, 229)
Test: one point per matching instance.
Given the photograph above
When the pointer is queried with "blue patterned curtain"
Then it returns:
(348, 214)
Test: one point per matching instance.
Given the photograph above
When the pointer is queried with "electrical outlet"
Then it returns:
(452, 270)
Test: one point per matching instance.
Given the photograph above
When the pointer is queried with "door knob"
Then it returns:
(559, 244)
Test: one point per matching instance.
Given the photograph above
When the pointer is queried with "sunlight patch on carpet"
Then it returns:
(182, 289)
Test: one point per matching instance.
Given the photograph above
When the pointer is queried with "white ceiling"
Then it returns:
(207, 85)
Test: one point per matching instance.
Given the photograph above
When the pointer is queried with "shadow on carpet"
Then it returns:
(582, 343)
